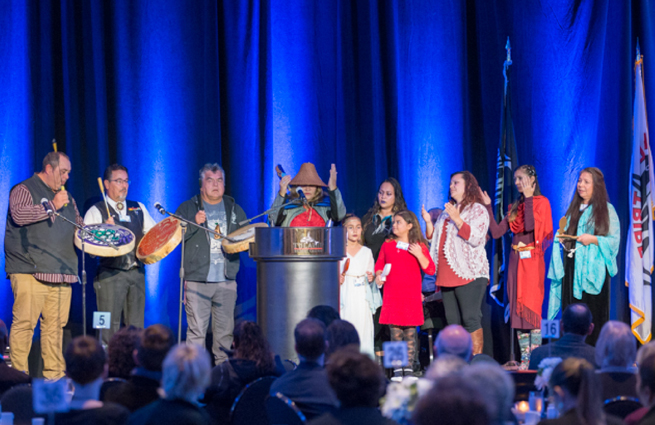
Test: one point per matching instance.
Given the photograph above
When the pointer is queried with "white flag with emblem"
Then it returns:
(639, 251)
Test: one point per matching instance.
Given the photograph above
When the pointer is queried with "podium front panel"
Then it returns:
(297, 269)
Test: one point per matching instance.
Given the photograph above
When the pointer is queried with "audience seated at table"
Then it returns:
(577, 324)
(252, 359)
(143, 384)
(616, 351)
(86, 366)
(358, 383)
(574, 386)
(185, 376)
(307, 385)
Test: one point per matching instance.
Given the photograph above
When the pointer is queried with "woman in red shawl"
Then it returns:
(530, 221)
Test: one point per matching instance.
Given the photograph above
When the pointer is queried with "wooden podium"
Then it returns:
(297, 269)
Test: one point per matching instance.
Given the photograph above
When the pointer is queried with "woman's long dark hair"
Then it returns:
(471, 190)
(600, 216)
(415, 234)
(579, 378)
(399, 203)
(250, 344)
(531, 172)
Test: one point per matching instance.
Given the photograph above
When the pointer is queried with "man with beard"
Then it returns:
(120, 282)
(210, 273)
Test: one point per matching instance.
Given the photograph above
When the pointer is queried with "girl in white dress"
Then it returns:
(360, 296)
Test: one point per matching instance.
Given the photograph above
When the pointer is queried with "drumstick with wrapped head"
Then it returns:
(345, 267)
(102, 189)
(54, 148)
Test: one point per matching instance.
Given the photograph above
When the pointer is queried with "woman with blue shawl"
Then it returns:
(583, 271)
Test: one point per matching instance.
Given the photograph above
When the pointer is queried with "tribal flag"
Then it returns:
(639, 252)
(505, 192)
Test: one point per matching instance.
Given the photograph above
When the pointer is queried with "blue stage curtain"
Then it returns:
(409, 89)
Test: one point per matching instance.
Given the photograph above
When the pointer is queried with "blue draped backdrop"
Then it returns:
(410, 89)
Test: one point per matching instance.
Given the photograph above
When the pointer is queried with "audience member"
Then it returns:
(497, 389)
(575, 388)
(307, 385)
(444, 365)
(452, 401)
(646, 390)
(9, 377)
(18, 400)
(324, 313)
(86, 366)
(616, 351)
(643, 352)
(120, 352)
(358, 383)
(340, 334)
(455, 340)
(576, 324)
(142, 386)
(252, 359)
(186, 375)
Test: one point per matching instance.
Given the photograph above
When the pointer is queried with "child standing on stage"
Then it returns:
(360, 298)
(402, 306)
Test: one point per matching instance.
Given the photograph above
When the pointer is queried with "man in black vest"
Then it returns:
(41, 262)
(210, 273)
(120, 282)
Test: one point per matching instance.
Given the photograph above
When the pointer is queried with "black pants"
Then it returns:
(121, 292)
(463, 304)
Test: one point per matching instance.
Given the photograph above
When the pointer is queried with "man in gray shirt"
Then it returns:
(210, 273)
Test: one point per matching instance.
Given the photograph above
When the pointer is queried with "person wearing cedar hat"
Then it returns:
(317, 209)
(530, 221)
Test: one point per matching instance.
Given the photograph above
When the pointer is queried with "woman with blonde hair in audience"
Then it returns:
(616, 351)
(186, 374)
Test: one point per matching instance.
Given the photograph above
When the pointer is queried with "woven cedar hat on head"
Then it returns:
(307, 176)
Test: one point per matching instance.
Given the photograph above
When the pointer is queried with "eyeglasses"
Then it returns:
(121, 182)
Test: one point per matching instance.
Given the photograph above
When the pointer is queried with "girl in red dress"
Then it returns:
(402, 303)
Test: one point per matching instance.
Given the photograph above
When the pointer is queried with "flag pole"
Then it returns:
(508, 62)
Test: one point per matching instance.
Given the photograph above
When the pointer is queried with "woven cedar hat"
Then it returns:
(307, 176)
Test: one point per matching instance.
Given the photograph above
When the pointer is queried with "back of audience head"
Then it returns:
(85, 360)
(250, 344)
(340, 334)
(451, 401)
(646, 380)
(577, 319)
(120, 351)
(324, 313)
(356, 379)
(186, 372)
(645, 351)
(444, 365)
(575, 384)
(616, 346)
(455, 340)
(309, 335)
(497, 389)
(156, 342)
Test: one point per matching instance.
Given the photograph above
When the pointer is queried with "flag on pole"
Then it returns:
(639, 251)
(505, 191)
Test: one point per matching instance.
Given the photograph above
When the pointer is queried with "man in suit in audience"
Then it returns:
(9, 377)
(142, 387)
(455, 340)
(576, 325)
(308, 385)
